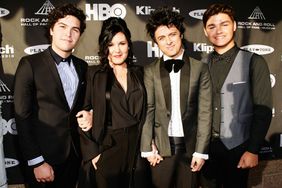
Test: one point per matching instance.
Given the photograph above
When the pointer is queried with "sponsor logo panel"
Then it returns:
(4, 12)
(9, 162)
(258, 48)
(36, 49)
(37, 20)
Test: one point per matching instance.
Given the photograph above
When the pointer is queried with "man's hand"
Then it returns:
(84, 119)
(155, 158)
(95, 160)
(44, 173)
(196, 164)
(248, 160)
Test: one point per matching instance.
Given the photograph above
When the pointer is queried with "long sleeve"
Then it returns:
(262, 100)
(204, 112)
(147, 132)
(24, 96)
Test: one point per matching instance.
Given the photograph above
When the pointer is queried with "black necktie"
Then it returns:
(178, 64)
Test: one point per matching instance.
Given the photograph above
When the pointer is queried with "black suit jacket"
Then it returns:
(46, 125)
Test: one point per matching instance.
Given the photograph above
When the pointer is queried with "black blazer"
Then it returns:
(46, 125)
(92, 142)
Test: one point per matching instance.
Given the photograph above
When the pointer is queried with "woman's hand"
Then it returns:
(84, 119)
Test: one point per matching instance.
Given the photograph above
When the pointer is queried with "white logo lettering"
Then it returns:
(3, 12)
(198, 14)
(151, 49)
(202, 47)
(144, 10)
(36, 49)
(9, 162)
(258, 48)
(104, 11)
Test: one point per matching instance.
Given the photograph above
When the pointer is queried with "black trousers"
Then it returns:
(174, 172)
(66, 174)
(221, 168)
(114, 169)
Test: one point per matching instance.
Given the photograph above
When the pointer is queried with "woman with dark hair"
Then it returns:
(115, 106)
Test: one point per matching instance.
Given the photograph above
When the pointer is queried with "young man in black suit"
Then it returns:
(48, 92)
(242, 103)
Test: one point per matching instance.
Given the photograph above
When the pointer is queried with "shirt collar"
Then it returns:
(180, 57)
(227, 56)
(58, 59)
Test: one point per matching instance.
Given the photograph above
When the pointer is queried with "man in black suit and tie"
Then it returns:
(48, 92)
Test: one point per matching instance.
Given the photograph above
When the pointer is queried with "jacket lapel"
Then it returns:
(50, 62)
(165, 80)
(184, 84)
(99, 83)
(80, 79)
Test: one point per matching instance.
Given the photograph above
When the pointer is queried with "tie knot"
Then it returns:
(176, 64)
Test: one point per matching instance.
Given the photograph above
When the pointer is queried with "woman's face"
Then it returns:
(118, 49)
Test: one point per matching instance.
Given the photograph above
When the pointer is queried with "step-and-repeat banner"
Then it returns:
(22, 32)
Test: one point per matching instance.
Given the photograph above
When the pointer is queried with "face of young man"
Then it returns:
(220, 32)
(118, 49)
(169, 40)
(65, 35)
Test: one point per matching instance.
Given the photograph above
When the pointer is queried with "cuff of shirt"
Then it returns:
(36, 161)
(148, 154)
(200, 155)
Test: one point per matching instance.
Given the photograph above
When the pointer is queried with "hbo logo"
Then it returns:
(104, 11)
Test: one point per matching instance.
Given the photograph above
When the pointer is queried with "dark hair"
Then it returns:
(164, 16)
(64, 10)
(110, 28)
(216, 9)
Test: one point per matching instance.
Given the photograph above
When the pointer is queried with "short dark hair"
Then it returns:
(216, 9)
(64, 10)
(164, 16)
(110, 28)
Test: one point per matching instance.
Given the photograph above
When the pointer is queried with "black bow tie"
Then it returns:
(178, 64)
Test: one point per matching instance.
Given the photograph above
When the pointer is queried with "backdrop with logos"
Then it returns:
(22, 32)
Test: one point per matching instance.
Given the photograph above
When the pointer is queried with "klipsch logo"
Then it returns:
(44, 10)
(258, 48)
(202, 47)
(198, 14)
(7, 51)
(254, 21)
(144, 10)
(36, 49)
(103, 11)
(3, 12)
